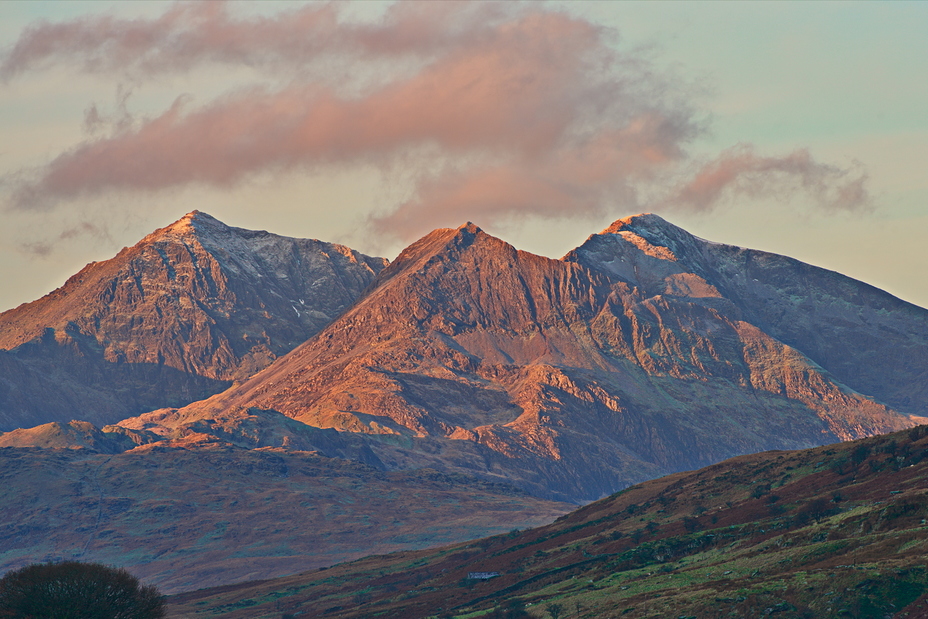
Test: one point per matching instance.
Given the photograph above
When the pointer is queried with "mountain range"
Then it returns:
(643, 352)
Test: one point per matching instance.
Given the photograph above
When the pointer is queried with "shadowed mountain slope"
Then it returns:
(865, 337)
(571, 378)
(836, 531)
(186, 516)
(173, 319)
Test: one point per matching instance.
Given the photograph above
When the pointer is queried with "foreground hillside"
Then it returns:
(836, 531)
(188, 516)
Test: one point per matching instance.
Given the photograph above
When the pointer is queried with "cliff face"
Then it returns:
(572, 377)
(170, 320)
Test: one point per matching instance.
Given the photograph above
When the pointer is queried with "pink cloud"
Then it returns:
(580, 178)
(191, 33)
(519, 90)
(740, 171)
(496, 110)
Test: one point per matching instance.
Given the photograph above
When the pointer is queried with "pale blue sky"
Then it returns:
(844, 80)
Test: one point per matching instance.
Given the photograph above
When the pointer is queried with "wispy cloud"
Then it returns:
(189, 34)
(45, 248)
(741, 171)
(495, 110)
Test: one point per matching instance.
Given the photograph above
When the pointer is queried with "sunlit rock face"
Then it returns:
(175, 318)
(644, 351)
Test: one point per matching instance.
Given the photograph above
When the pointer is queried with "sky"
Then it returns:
(796, 128)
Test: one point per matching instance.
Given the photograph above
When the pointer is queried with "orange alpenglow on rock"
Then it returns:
(644, 351)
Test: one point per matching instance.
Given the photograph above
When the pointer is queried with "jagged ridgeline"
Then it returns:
(644, 351)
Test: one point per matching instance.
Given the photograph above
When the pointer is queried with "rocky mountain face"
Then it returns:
(864, 337)
(179, 316)
(644, 351)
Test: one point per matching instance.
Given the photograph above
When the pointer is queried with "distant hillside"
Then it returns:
(836, 531)
(185, 517)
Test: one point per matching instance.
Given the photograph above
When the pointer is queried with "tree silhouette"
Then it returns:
(74, 590)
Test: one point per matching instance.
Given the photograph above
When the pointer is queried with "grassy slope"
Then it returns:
(836, 531)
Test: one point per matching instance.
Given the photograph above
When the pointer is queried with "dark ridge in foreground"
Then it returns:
(833, 531)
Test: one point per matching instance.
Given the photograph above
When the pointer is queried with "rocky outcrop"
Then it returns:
(175, 318)
(78, 435)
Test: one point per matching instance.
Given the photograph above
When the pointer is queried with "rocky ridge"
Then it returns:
(572, 378)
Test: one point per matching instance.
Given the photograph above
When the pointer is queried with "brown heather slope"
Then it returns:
(570, 378)
(835, 531)
(173, 319)
(186, 516)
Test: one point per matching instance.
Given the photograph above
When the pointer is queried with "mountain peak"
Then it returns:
(191, 306)
(193, 222)
(654, 228)
(636, 222)
(653, 235)
(470, 227)
(437, 242)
